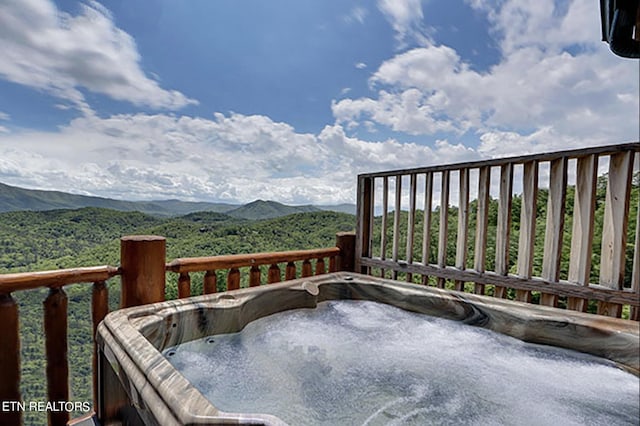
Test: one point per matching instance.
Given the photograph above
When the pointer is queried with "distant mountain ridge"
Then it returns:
(13, 198)
(260, 209)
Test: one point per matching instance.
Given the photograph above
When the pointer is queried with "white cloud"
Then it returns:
(555, 78)
(149, 156)
(61, 54)
(403, 112)
(360, 65)
(230, 157)
(405, 17)
(502, 143)
(547, 24)
(366, 156)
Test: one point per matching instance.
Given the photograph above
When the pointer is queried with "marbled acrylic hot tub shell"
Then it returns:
(139, 386)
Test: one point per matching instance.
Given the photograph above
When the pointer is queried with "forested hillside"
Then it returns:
(31, 241)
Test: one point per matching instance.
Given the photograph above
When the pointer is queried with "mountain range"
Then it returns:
(13, 198)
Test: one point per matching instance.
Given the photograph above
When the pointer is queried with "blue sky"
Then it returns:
(234, 100)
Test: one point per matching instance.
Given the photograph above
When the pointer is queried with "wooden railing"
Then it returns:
(232, 263)
(405, 248)
(143, 278)
(55, 329)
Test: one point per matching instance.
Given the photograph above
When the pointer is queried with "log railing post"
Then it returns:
(426, 226)
(320, 266)
(332, 264)
(9, 359)
(254, 276)
(527, 235)
(582, 228)
(142, 259)
(346, 242)
(273, 274)
(411, 220)
(396, 225)
(364, 222)
(55, 332)
(307, 271)
(463, 226)
(184, 285)
(290, 271)
(614, 228)
(210, 282)
(554, 228)
(482, 222)
(383, 224)
(444, 225)
(503, 227)
(233, 279)
(99, 310)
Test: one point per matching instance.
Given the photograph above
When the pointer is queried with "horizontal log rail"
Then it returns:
(232, 263)
(496, 162)
(58, 278)
(195, 264)
(455, 255)
(560, 288)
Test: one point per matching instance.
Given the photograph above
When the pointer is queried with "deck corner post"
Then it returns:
(364, 222)
(142, 260)
(346, 242)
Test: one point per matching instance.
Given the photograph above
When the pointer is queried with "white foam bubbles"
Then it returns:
(355, 362)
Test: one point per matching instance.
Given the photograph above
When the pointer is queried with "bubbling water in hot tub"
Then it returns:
(355, 362)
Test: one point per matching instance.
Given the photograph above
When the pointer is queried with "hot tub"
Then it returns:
(140, 385)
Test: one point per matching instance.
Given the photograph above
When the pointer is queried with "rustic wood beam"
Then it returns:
(143, 259)
(517, 282)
